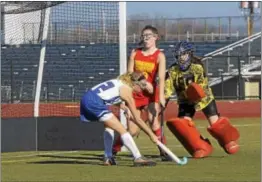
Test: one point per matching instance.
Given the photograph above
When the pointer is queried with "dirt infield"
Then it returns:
(233, 109)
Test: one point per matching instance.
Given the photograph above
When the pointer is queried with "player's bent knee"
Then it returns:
(134, 131)
(226, 135)
(188, 135)
(115, 125)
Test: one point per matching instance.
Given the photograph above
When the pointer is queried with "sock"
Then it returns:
(108, 142)
(130, 144)
(118, 144)
(158, 134)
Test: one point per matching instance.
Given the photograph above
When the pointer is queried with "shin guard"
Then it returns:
(190, 138)
(226, 135)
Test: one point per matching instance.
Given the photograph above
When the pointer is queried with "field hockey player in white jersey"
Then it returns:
(94, 107)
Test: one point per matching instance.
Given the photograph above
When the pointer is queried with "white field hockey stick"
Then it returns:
(172, 155)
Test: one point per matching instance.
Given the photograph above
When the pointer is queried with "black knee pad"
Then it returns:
(211, 109)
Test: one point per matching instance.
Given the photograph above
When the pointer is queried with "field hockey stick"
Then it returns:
(162, 123)
(172, 155)
(162, 119)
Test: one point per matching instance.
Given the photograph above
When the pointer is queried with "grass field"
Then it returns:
(86, 165)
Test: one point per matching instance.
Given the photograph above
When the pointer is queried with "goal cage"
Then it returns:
(52, 52)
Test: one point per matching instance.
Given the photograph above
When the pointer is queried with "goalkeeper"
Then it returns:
(187, 78)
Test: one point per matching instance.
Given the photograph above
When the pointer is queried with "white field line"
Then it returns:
(238, 125)
(242, 125)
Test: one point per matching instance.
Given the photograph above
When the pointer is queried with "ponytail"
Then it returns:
(132, 78)
(198, 60)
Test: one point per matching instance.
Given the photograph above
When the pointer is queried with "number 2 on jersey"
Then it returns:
(103, 87)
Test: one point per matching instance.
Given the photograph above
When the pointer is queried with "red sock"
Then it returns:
(118, 144)
(158, 134)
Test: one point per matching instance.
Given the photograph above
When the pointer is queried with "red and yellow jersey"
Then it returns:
(147, 64)
(178, 81)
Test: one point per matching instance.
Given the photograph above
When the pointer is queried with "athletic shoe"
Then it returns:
(142, 161)
(109, 161)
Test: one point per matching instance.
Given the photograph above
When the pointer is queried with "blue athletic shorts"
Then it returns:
(93, 108)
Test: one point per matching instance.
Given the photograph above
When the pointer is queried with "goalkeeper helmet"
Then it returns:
(182, 54)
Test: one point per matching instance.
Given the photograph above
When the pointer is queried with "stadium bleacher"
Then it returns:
(221, 61)
(71, 69)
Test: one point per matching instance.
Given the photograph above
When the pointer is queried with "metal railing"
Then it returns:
(234, 45)
(193, 37)
(238, 69)
(229, 49)
(208, 29)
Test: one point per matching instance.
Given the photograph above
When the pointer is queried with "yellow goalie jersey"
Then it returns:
(177, 81)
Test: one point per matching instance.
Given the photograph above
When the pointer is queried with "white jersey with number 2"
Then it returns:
(109, 91)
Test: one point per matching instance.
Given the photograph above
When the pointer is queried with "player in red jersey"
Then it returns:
(152, 62)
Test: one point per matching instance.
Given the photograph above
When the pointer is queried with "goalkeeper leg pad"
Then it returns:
(226, 135)
(188, 135)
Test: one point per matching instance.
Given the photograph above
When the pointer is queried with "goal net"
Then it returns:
(52, 52)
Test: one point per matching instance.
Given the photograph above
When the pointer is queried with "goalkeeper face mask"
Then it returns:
(183, 53)
(184, 60)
